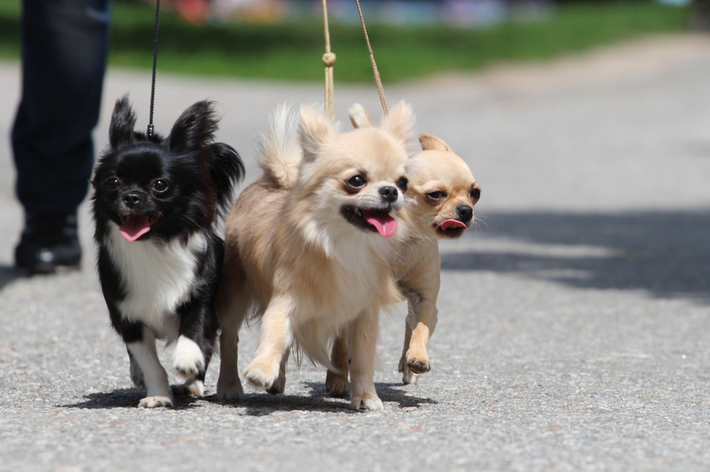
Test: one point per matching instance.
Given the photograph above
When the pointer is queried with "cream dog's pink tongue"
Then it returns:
(383, 222)
(452, 224)
(135, 226)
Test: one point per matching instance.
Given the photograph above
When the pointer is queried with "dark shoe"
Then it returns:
(50, 243)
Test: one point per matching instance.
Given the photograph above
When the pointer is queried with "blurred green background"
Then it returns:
(293, 50)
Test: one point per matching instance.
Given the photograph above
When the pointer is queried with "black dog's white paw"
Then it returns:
(188, 359)
(156, 401)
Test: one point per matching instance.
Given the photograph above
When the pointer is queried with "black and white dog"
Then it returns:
(159, 261)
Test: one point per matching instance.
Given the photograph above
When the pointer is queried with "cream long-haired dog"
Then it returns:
(440, 200)
(310, 245)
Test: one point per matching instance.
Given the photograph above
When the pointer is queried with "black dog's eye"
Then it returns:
(160, 185)
(476, 193)
(112, 184)
(438, 195)
(402, 184)
(357, 181)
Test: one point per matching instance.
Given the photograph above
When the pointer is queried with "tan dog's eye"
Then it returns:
(438, 195)
(357, 181)
(402, 184)
(476, 193)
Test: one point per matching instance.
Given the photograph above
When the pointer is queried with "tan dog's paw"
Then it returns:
(156, 402)
(367, 401)
(260, 376)
(336, 385)
(408, 377)
(193, 388)
(418, 365)
(229, 392)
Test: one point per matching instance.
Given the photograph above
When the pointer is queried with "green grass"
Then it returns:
(293, 51)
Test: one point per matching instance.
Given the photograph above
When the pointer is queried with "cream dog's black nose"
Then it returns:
(464, 212)
(389, 194)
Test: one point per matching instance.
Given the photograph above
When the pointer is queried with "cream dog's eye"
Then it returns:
(357, 181)
(402, 184)
(438, 195)
(476, 194)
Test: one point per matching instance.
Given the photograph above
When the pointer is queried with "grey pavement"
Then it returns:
(574, 327)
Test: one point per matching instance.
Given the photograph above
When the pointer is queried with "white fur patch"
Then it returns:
(157, 277)
(188, 358)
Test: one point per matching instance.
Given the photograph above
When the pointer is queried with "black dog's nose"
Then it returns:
(131, 200)
(465, 213)
(389, 193)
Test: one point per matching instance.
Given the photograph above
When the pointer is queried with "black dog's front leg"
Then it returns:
(196, 343)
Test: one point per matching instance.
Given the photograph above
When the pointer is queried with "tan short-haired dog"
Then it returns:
(440, 199)
(309, 248)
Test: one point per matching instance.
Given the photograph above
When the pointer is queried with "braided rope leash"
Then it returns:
(378, 81)
(155, 64)
(329, 62)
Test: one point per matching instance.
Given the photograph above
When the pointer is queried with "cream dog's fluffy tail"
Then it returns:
(279, 150)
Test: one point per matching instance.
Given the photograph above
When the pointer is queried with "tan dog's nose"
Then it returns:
(464, 212)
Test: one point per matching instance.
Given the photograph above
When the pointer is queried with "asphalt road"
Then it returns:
(574, 327)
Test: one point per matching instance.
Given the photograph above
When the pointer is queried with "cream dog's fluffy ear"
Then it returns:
(316, 128)
(432, 143)
(359, 117)
(399, 122)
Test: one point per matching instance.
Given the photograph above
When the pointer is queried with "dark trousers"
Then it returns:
(64, 52)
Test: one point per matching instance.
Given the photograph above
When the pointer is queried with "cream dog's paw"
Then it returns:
(335, 384)
(156, 401)
(367, 401)
(188, 359)
(260, 375)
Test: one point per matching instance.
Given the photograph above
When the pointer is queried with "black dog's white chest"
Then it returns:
(157, 277)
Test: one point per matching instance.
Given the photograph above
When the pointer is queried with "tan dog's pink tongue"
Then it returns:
(451, 224)
(135, 227)
(383, 222)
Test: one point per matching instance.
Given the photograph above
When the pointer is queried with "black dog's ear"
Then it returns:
(194, 129)
(226, 169)
(123, 121)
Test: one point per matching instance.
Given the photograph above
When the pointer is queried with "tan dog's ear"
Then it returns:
(316, 128)
(399, 122)
(359, 117)
(432, 143)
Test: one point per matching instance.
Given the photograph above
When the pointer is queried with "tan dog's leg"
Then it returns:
(362, 334)
(233, 300)
(274, 340)
(421, 291)
(421, 322)
(336, 384)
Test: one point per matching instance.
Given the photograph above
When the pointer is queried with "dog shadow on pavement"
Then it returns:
(666, 253)
(127, 398)
(317, 399)
(8, 275)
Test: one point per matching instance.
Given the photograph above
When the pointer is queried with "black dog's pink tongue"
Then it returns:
(135, 226)
(452, 224)
(382, 221)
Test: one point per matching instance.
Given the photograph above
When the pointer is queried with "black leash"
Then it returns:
(155, 62)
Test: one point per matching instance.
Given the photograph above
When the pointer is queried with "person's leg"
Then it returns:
(64, 51)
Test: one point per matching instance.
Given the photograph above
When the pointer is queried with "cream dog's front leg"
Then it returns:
(275, 339)
(362, 334)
